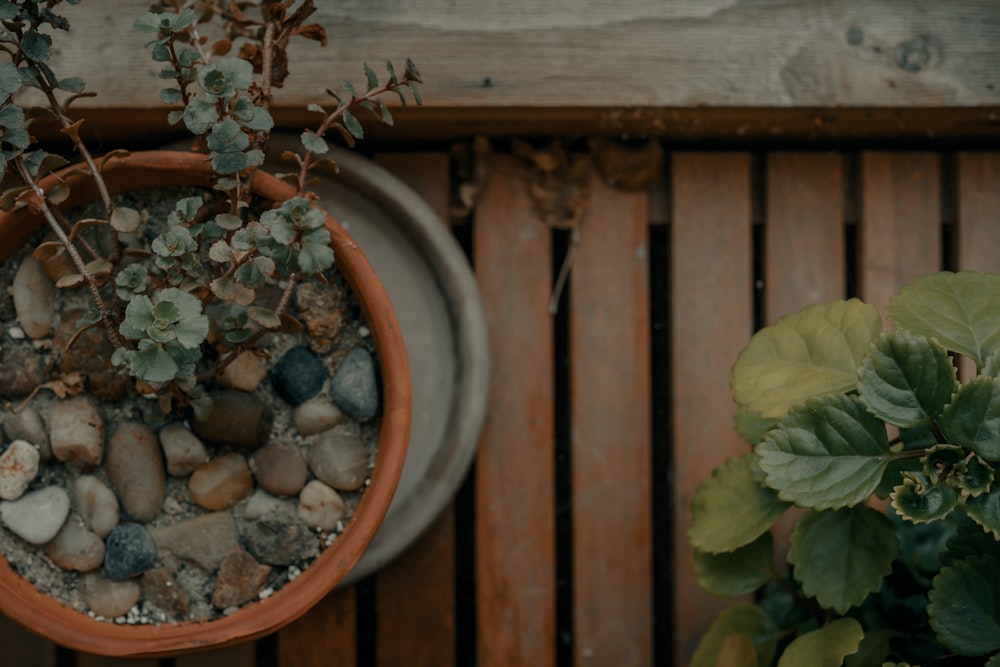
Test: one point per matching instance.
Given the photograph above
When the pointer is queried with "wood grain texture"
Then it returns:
(21, 647)
(978, 224)
(515, 540)
(326, 635)
(416, 592)
(712, 319)
(900, 234)
(752, 53)
(242, 655)
(610, 415)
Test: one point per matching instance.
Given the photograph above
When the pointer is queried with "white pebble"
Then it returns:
(17, 333)
(36, 517)
(18, 468)
(320, 506)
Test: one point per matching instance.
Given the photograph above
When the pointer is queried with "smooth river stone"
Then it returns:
(37, 516)
(130, 551)
(18, 468)
(134, 465)
(237, 418)
(320, 506)
(279, 468)
(108, 598)
(221, 483)
(354, 387)
(182, 449)
(339, 460)
(34, 299)
(76, 547)
(298, 375)
(204, 540)
(28, 425)
(96, 504)
(76, 431)
(245, 372)
(315, 416)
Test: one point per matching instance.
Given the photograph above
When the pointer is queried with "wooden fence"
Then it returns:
(566, 544)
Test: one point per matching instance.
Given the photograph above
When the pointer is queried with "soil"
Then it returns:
(33, 564)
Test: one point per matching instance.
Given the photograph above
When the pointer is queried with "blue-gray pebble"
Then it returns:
(299, 375)
(353, 387)
(130, 550)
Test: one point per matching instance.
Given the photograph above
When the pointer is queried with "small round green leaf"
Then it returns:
(825, 647)
(739, 619)
(738, 572)
(154, 365)
(906, 378)
(732, 508)
(815, 352)
(918, 500)
(125, 220)
(265, 317)
(984, 509)
(829, 452)
(843, 555)
(961, 310)
(964, 606)
(972, 419)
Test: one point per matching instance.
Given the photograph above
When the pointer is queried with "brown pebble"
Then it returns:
(76, 431)
(161, 590)
(182, 449)
(315, 416)
(135, 469)
(75, 547)
(21, 370)
(222, 482)
(239, 580)
(34, 299)
(237, 418)
(245, 372)
(90, 354)
(339, 460)
(27, 425)
(96, 503)
(279, 468)
(321, 310)
(108, 598)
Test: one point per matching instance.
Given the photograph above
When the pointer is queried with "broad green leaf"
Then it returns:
(972, 419)
(736, 572)
(220, 252)
(10, 79)
(825, 647)
(919, 501)
(830, 452)
(906, 379)
(191, 332)
(969, 539)
(985, 510)
(964, 606)
(841, 556)
(815, 352)
(751, 426)
(737, 651)
(314, 143)
(314, 257)
(961, 310)
(36, 46)
(732, 508)
(738, 619)
(154, 365)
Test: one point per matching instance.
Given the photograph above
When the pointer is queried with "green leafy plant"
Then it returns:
(222, 248)
(894, 558)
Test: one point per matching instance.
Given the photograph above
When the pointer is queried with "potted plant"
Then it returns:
(894, 558)
(186, 300)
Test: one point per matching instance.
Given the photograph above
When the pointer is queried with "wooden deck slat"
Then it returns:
(712, 318)
(900, 233)
(241, 655)
(610, 416)
(87, 660)
(416, 593)
(515, 542)
(978, 193)
(325, 636)
(24, 648)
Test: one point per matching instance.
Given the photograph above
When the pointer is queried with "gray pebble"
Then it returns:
(204, 540)
(76, 547)
(130, 551)
(182, 449)
(108, 598)
(134, 465)
(34, 299)
(27, 425)
(37, 516)
(298, 375)
(278, 538)
(96, 504)
(315, 416)
(76, 431)
(354, 387)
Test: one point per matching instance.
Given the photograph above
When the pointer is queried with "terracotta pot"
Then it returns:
(43, 615)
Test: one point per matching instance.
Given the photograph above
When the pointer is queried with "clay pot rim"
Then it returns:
(43, 615)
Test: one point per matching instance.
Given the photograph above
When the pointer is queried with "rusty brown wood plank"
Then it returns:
(415, 593)
(610, 449)
(978, 224)
(515, 543)
(326, 635)
(241, 655)
(712, 315)
(21, 647)
(900, 234)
